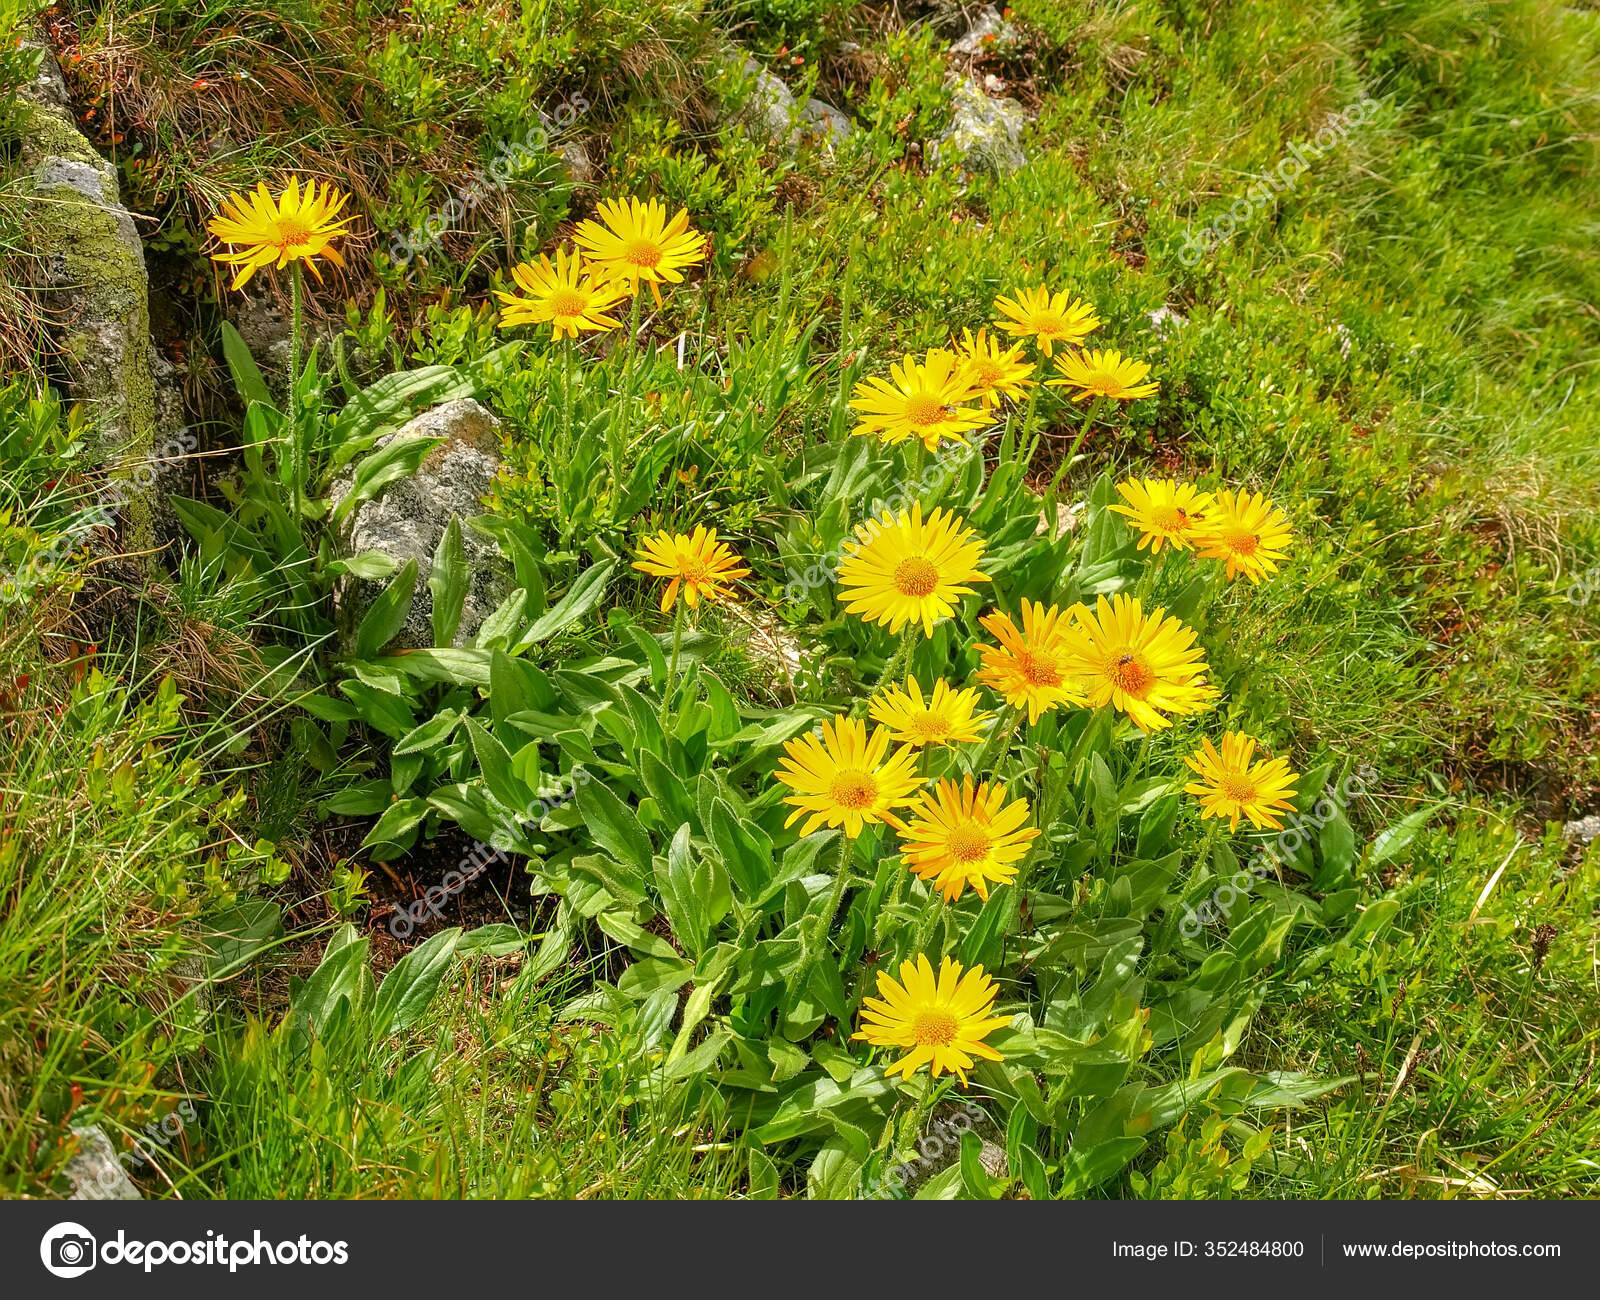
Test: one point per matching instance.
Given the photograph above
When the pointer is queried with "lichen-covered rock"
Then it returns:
(95, 1171)
(770, 111)
(985, 134)
(93, 266)
(989, 34)
(1584, 830)
(407, 518)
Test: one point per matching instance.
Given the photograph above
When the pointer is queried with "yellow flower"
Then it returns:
(920, 399)
(1146, 665)
(945, 717)
(1103, 374)
(637, 244)
(1247, 531)
(1049, 318)
(994, 371)
(298, 226)
(959, 836)
(843, 778)
(563, 295)
(940, 1023)
(1163, 510)
(903, 570)
(703, 565)
(1029, 668)
(1231, 786)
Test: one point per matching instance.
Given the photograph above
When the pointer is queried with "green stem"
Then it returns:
(1027, 441)
(297, 442)
(925, 928)
(901, 656)
(1083, 432)
(620, 425)
(672, 669)
(819, 935)
(1004, 725)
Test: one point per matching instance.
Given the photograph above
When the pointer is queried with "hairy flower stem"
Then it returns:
(1083, 432)
(297, 440)
(999, 737)
(619, 427)
(901, 656)
(819, 935)
(672, 668)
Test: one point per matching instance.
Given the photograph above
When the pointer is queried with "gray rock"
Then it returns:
(985, 134)
(95, 1171)
(1582, 831)
(93, 274)
(578, 163)
(1163, 319)
(407, 518)
(990, 34)
(769, 111)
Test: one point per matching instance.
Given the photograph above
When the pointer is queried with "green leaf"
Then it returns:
(581, 597)
(387, 614)
(653, 973)
(1393, 840)
(615, 827)
(448, 582)
(246, 374)
(409, 988)
(398, 460)
(1085, 1169)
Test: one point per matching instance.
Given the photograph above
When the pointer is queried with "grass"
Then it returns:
(1400, 349)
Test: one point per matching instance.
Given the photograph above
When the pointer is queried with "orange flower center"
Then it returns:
(935, 1028)
(1169, 519)
(930, 725)
(1131, 674)
(1241, 543)
(1048, 323)
(988, 373)
(693, 569)
(916, 577)
(568, 303)
(923, 410)
(1038, 669)
(853, 790)
(1104, 384)
(968, 844)
(1237, 786)
(642, 253)
(291, 231)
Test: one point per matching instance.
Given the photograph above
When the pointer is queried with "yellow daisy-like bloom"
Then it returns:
(1146, 665)
(1232, 786)
(958, 836)
(940, 1023)
(1247, 531)
(945, 717)
(904, 570)
(847, 778)
(995, 371)
(564, 295)
(1103, 374)
(920, 399)
(1049, 318)
(636, 243)
(298, 226)
(698, 562)
(1163, 510)
(1029, 669)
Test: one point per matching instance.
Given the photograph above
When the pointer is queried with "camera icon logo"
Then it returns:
(68, 1250)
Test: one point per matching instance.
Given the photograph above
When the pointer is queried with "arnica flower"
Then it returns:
(940, 1023)
(636, 243)
(298, 226)
(1046, 317)
(564, 295)
(957, 836)
(904, 570)
(1103, 374)
(1163, 510)
(1146, 665)
(920, 399)
(847, 778)
(1232, 786)
(1029, 668)
(995, 371)
(945, 716)
(1247, 531)
(698, 562)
